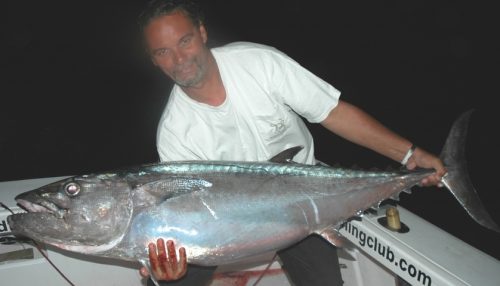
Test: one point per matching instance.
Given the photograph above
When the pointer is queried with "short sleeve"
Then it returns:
(305, 93)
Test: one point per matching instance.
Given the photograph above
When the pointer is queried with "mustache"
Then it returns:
(180, 68)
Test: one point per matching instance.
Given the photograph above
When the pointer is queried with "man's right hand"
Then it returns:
(164, 264)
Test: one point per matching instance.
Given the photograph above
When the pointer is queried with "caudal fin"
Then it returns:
(457, 179)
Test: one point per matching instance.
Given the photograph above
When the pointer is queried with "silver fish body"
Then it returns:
(234, 210)
(221, 212)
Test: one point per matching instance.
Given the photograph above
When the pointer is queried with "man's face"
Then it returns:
(177, 47)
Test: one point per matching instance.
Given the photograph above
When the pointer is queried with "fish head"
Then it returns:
(86, 214)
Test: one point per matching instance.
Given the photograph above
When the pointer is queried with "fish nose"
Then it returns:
(27, 196)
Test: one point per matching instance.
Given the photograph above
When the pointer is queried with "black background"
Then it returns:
(78, 95)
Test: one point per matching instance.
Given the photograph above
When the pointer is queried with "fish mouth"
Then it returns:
(42, 206)
(41, 219)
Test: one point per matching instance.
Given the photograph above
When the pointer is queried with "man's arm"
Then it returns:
(355, 125)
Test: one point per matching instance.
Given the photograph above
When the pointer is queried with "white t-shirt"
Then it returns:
(265, 90)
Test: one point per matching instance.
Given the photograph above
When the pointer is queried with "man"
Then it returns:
(242, 102)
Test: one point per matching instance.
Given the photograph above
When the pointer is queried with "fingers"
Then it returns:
(411, 165)
(182, 262)
(176, 269)
(164, 263)
(144, 272)
(432, 180)
(154, 262)
(423, 159)
(171, 264)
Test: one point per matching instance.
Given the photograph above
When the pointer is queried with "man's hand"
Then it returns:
(423, 159)
(164, 263)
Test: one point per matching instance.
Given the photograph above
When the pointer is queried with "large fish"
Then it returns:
(220, 211)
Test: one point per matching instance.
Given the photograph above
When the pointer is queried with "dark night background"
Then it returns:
(79, 96)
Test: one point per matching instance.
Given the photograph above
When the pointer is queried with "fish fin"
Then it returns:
(167, 188)
(333, 236)
(344, 254)
(391, 201)
(146, 264)
(287, 155)
(457, 179)
(374, 206)
(395, 197)
(320, 163)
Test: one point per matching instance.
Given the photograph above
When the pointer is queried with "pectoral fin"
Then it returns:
(159, 191)
(332, 235)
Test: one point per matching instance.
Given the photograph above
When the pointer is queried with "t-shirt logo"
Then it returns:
(277, 128)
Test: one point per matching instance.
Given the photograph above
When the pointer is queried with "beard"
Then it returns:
(193, 79)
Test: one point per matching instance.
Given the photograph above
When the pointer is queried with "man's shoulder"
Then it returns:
(247, 49)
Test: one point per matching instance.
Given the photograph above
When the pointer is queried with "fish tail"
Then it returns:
(457, 179)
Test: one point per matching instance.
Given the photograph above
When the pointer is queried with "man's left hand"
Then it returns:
(422, 159)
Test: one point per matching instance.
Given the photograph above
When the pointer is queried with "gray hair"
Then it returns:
(158, 8)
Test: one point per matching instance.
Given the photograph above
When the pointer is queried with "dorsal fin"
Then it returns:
(287, 155)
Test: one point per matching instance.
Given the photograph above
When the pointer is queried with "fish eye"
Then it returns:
(72, 189)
